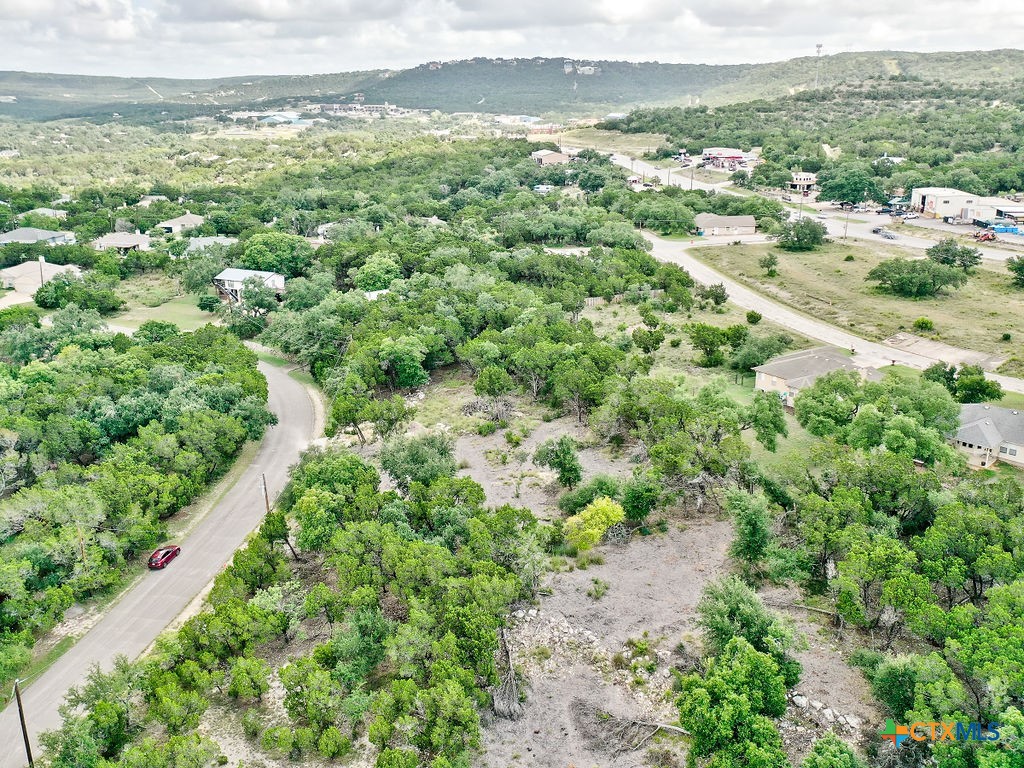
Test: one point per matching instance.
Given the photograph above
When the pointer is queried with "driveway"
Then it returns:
(134, 621)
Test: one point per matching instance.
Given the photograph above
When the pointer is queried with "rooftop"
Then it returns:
(185, 220)
(30, 235)
(989, 426)
(233, 274)
(714, 220)
(801, 369)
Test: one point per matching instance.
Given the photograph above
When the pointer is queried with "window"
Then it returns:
(945, 202)
(1002, 449)
(1013, 451)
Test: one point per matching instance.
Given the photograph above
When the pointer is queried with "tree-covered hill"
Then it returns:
(553, 85)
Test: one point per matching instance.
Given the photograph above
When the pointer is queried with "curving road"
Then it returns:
(867, 352)
(134, 621)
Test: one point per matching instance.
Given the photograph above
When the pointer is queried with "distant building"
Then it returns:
(789, 374)
(53, 213)
(31, 235)
(944, 202)
(199, 243)
(230, 283)
(727, 158)
(185, 221)
(543, 189)
(549, 157)
(989, 434)
(26, 277)
(122, 241)
(148, 200)
(713, 224)
(803, 182)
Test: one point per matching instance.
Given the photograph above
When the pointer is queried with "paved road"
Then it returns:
(866, 352)
(131, 624)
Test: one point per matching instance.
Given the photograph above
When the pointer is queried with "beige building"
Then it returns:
(989, 434)
(713, 224)
(185, 221)
(549, 157)
(788, 374)
(122, 241)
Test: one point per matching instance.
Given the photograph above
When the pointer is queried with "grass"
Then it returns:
(37, 666)
(633, 144)
(155, 297)
(825, 286)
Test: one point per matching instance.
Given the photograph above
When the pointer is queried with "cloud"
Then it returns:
(208, 38)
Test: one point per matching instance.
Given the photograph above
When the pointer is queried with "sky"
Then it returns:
(216, 38)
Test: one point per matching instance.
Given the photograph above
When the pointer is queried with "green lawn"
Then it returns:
(823, 284)
(156, 297)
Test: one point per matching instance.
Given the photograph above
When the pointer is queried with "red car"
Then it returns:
(163, 556)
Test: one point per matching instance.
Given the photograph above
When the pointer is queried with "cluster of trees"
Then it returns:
(405, 598)
(103, 437)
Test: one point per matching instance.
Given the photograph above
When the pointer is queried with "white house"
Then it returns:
(230, 283)
(803, 182)
(185, 221)
(122, 241)
(788, 374)
(30, 235)
(713, 224)
(148, 200)
(989, 434)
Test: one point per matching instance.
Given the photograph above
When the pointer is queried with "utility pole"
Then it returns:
(692, 169)
(668, 181)
(817, 66)
(42, 280)
(266, 496)
(24, 728)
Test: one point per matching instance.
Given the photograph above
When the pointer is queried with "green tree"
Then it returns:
(641, 495)
(287, 254)
(1016, 266)
(952, 254)
(801, 235)
(424, 459)
(770, 264)
(377, 273)
(492, 382)
(914, 279)
(829, 751)
(753, 528)
(584, 530)
(648, 340)
(560, 455)
(851, 184)
(709, 339)
(250, 678)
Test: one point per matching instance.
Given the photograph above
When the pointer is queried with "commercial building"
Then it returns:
(713, 224)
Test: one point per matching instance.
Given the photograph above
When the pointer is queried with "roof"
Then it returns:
(51, 212)
(803, 368)
(941, 191)
(198, 243)
(235, 275)
(544, 153)
(705, 220)
(30, 235)
(989, 426)
(186, 220)
(121, 240)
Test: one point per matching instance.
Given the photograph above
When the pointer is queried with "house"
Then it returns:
(148, 200)
(803, 182)
(185, 221)
(713, 224)
(196, 244)
(788, 374)
(26, 277)
(989, 434)
(30, 235)
(122, 241)
(53, 213)
(230, 283)
(549, 157)
(543, 189)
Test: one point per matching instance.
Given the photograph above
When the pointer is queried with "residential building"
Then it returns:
(989, 434)
(26, 277)
(549, 157)
(789, 374)
(122, 241)
(713, 224)
(803, 182)
(30, 235)
(53, 213)
(148, 200)
(230, 283)
(185, 221)
(199, 243)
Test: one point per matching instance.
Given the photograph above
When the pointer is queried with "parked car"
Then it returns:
(911, 215)
(880, 211)
(888, 235)
(876, 231)
(163, 556)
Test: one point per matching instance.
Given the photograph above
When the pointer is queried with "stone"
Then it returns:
(829, 715)
(800, 701)
(854, 722)
(519, 614)
(817, 704)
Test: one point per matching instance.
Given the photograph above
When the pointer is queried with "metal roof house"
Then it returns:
(230, 283)
(989, 434)
(185, 221)
(788, 374)
(122, 241)
(30, 235)
(713, 224)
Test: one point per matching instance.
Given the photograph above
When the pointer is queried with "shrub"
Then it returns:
(924, 324)
(487, 428)
(831, 752)
(208, 303)
(601, 485)
(849, 257)
(675, 342)
(252, 723)
(332, 744)
(1005, 337)
(640, 496)
(421, 459)
(586, 529)
(753, 317)
(560, 455)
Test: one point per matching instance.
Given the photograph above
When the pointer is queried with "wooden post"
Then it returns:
(24, 728)
(266, 495)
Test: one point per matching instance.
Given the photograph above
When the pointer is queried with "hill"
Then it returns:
(553, 86)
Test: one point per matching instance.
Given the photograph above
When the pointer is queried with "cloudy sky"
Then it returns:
(208, 38)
